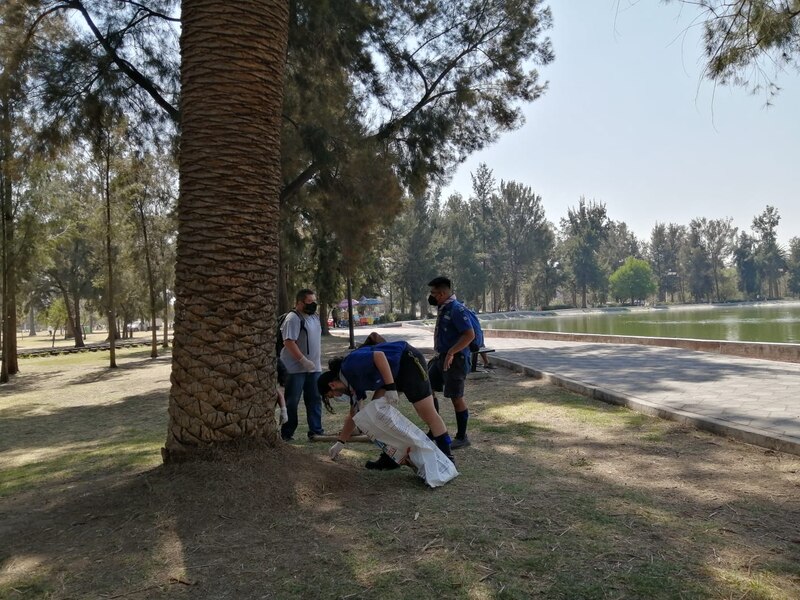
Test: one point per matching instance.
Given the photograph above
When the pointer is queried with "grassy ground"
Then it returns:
(559, 497)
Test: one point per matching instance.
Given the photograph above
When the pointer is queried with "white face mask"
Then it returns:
(342, 398)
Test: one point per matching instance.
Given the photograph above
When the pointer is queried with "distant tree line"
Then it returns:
(504, 254)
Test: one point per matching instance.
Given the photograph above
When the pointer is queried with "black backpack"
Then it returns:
(279, 335)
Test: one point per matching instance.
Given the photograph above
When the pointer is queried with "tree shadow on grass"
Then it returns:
(113, 422)
(551, 511)
(266, 523)
(122, 370)
(22, 382)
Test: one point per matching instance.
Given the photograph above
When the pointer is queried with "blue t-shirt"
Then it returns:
(451, 322)
(359, 370)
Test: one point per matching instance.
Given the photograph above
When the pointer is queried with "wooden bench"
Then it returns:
(483, 350)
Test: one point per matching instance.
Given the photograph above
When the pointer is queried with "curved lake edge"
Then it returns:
(775, 351)
(761, 350)
(571, 312)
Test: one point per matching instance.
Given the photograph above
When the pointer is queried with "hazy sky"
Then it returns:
(628, 121)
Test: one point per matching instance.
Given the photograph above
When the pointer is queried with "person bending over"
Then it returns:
(387, 368)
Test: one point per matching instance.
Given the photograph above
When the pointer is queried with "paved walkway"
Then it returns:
(752, 400)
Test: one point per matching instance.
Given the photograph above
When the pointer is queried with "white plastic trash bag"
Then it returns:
(400, 438)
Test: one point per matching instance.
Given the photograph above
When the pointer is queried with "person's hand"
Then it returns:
(308, 364)
(335, 449)
(391, 397)
(284, 415)
(448, 360)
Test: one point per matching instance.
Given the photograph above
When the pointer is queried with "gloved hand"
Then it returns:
(308, 364)
(391, 397)
(335, 449)
(284, 415)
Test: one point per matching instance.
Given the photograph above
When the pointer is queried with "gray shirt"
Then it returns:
(308, 339)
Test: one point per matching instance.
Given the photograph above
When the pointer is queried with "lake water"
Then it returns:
(773, 322)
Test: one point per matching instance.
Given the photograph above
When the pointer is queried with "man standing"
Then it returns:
(302, 338)
(451, 339)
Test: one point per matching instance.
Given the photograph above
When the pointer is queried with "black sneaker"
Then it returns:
(384, 463)
(460, 443)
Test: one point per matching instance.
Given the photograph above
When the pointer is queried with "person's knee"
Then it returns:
(459, 404)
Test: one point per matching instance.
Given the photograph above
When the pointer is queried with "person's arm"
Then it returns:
(349, 426)
(382, 364)
(344, 435)
(463, 341)
(389, 387)
(290, 343)
(293, 349)
(282, 405)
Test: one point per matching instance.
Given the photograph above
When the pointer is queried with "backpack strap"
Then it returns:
(302, 330)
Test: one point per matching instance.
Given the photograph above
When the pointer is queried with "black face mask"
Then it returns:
(310, 308)
(432, 300)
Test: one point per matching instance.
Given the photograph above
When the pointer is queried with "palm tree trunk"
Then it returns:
(226, 275)
(10, 365)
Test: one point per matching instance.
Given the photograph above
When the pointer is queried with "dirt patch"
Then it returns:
(558, 497)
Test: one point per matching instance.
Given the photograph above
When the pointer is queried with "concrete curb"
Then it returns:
(742, 433)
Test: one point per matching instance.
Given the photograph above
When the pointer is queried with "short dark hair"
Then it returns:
(373, 339)
(301, 295)
(440, 282)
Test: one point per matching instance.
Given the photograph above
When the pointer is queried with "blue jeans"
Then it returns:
(305, 384)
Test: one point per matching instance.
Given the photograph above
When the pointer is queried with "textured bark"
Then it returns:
(8, 302)
(223, 368)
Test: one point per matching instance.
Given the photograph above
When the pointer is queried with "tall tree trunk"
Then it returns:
(151, 282)
(323, 318)
(77, 330)
(32, 322)
(10, 366)
(112, 348)
(73, 316)
(226, 275)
